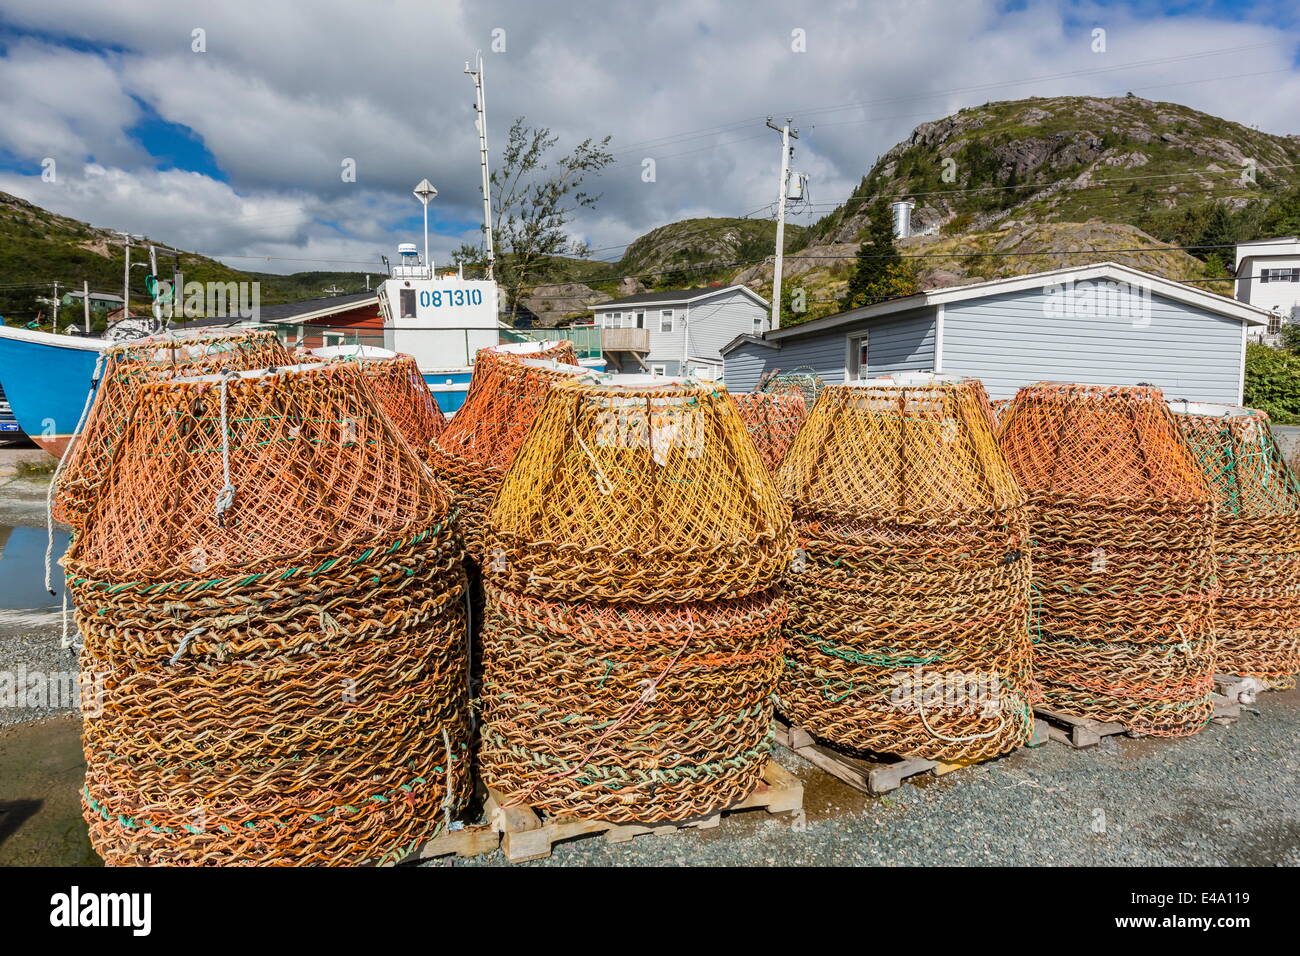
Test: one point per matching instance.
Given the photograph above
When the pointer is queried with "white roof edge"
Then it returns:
(704, 293)
(1167, 287)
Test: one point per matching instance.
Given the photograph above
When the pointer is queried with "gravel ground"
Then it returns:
(1228, 796)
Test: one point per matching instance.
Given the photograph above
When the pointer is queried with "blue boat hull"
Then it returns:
(46, 379)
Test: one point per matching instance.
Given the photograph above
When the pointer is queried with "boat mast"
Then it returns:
(480, 122)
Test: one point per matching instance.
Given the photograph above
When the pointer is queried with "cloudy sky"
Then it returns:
(237, 150)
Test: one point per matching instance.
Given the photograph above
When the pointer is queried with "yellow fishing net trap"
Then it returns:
(1256, 541)
(1122, 523)
(470, 456)
(122, 369)
(395, 379)
(632, 640)
(269, 591)
(773, 419)
(909, 596)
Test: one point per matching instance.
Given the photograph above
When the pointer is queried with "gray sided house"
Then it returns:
(1100, 324)
(680, 332)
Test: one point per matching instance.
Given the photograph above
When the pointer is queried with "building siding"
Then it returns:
(1010, 340)
(903, 343)
(699, 330)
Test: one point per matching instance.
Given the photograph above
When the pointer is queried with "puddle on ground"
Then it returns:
(41, 774)
(22, 569)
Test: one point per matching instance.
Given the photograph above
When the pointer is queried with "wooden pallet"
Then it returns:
(1084, 732)
(1239, 690)
(527, 834)
(472, 840)
(874, 776)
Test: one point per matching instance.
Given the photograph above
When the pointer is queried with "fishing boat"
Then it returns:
(443, 320)
(46, 379)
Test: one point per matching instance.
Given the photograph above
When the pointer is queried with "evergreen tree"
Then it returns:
(1218, 231)
(876, 255)
(880, 272)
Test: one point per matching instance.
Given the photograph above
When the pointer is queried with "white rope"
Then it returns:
(920, 709)
(226, 496)
(58, 470)
(447, 783)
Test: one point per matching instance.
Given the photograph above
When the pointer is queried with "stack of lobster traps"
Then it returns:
(269, 590)
(909, 595)
(1122, 520)
(1256, 541)
(633, 634)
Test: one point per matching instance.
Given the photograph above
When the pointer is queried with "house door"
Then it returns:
(858, 365)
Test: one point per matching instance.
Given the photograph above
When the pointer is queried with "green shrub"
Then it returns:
(1273, 383)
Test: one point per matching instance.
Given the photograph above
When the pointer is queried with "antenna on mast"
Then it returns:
(480, 122)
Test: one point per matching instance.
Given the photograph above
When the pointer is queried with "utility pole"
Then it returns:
(480, 122)
(787, 134)
(55, 326)
(85, 301)
(126, 272)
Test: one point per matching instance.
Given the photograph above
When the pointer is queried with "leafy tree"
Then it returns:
(534, 198)
(1273, 382)
(880, 272)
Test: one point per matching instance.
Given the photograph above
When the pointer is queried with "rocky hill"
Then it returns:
(1069, 159)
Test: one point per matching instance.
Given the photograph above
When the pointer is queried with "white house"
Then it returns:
(1268, 277)
(679, 332)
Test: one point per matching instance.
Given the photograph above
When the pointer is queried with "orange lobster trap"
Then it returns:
(773, 419)
(632, 637)
(269, 591)
(124, 369)
(398, 386)
(1122, 522)
(1256, 541)
(908, 598)
(470, 456)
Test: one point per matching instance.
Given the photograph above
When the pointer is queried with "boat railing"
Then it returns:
(585, 338)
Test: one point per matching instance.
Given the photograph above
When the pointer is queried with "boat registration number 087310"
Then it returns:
(451, 297)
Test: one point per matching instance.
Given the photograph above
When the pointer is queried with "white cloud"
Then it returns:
(280, 98)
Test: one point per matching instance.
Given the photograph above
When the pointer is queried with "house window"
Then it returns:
(858, 366)
(612, 319)
(1279, 275)
(666, 320)
(658, 370)
(640, 320)
(407, 303)
(1274, 324)
(758, 325)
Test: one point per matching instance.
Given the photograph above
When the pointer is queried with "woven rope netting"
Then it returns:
(632, 640)
(470, 456)
(1256, 542)
(803, 380)
(773, 419)
(642, 492)
(1122, 526)
(270, 590)
(909, 605)
(125, 368)
(400, 389)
